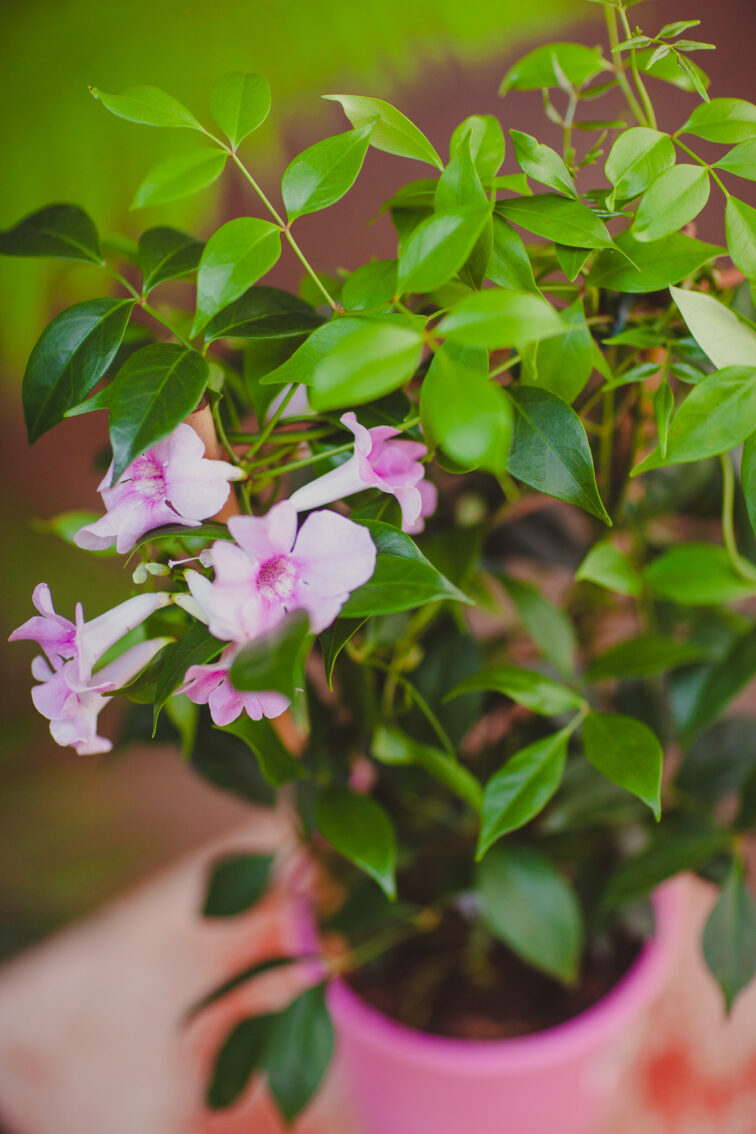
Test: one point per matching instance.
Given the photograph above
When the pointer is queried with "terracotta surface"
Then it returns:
(91, 1040)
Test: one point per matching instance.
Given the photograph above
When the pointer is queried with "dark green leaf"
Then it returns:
(180, 176)
(360, 830)
(550, 65)
(542, 163)
(64, 232)
(226, 764)
(380, 356)
(654, 264)
(697, 574)
(644, 656)
(264, 313)
(438, 248)
(239, 1056)
(740, 221)
(239, 104)
(675, 845)
(403, 578)
(196, 647)
(637, 158)
(608, 567)
(538, 693)
(71, 355)
(627, 753)
(240, 978)
(273, 662)
(550, 450)
(674, 199)
(155, 389)
(166, 254)
(234, 258)
(394, 748)
(508, 264)
(237, 882)
(496, 318)
(748, 477)
(547, 625)
(149, 106)
(486, 143)
(393, 132)
(729, 938)
(557, 218)
(562, 364)
(521, 789)
(332, 642)
(277, 765)
(298, 1051)
(530, 906)
(723, 682)
(323, 173)
(725, 120)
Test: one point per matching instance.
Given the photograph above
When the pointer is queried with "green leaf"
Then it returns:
(627, 753)
(239, 104)
(392, 747)
(180, 176)
(393, 133)
(550, 450)
(381, 355)
(606, 566)
(653, 264)
(729, 937)
(459, 186)
(731, 674)
(70, 357)
(323, 173)
(675, 69)
(497, 318)
(562, 365)
(740, 220)
(548, 626)
(643, 656)
(486, 143)
(725, 120)
(464, 412)
(538, 693)
(237, 882)
(277, 765)
(674, 199)
(239, 1056)
(149, 106)
(550, 65)
(240, 978)
(572, 260)
(664, 405)
(530, 906)
(741, 160)
(717, 415)
(332, 641)
(273, 662)
(264, 313)
(403, 578)
(542, 163)
(301, 365)
(155, 389)
(234, 258)
(521, 789)
(721, 334)
(372, 285)
(674, 846)
(298, 1051)
(360, 830)
(196, 647)
(509, 265)
(166, 254)
(697, 574)
(64, 232)
(557, 218)
(636, 159)
(438, 248)
(748, 477)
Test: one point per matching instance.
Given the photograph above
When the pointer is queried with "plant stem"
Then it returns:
(293, 465)
(619, 68)
(647, 104)
(701, 161)
(268, 429)
(739, 565)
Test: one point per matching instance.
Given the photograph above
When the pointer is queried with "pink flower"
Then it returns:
(274, 569)
(172, 483)
(210, 685)
(69, 695)
(377, 462)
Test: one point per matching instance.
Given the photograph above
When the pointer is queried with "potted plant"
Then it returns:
(451, 550)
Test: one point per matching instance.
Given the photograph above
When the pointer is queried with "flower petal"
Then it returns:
(263, 537)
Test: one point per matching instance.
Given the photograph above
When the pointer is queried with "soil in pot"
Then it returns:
(445, 983)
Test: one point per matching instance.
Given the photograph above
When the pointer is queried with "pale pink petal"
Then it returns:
(55, 634)
(410, 502)
(95, 637)
(41, 670)
(334, 556)
(337, 484)
(429, 501)
(127, 665)
(224, 703)
(263, 537)
(231, 565)
(50, 698)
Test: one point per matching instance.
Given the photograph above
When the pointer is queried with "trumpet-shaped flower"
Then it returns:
(172, 483)
(69, 694)
(272, 569)
(377, 462)
(210, 685)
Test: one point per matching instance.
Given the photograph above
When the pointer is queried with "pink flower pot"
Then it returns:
(560, 1080)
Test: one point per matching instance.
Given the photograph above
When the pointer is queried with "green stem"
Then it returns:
(221, 432)
(647, 104)
(268, 429)
(293, 465)
(619, 68)
(701, 161)
(739, 565)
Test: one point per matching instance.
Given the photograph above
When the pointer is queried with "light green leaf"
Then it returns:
(674, 199)
(234, 258)
(538, 693)
(550, 65)
(741, 160)
(486, 142)
(465, 412)
(548, 626)
(637, 158)
(166, 254)
(562, 365)
(150, 106)
(729, 937)
(528, 904)
(64, 232)
(572, 260)
(180, 177)
(653, 264)
(497, 318)
(239, 104)
(371, 286)
(740, 220)
(726, 120)
(721, 334)
(664, 404)
(359, 829)
(627, 753)
(379, 357)
(697, 574)
(557, 218)
(459, 186)
(521, 789)
(643, 656)
(300, 366)
(509, 265)
(542, 163)
(323, 173)
(550, 450)
(606, 566)
(438, 248)
(393, 133)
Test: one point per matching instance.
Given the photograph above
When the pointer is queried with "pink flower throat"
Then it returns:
(276, 578)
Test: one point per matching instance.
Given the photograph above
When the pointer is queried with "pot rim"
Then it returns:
(561, 1043)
